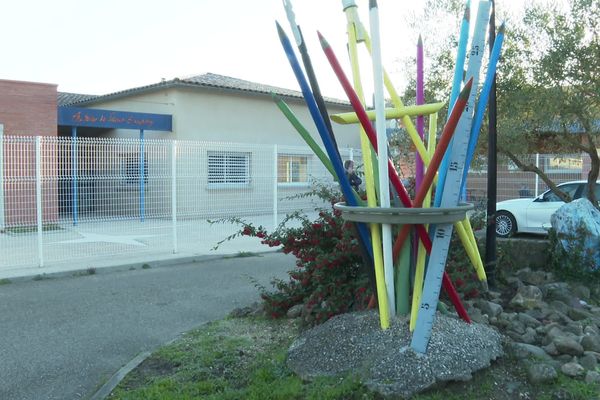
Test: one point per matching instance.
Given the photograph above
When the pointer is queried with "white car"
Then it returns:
(532, 215)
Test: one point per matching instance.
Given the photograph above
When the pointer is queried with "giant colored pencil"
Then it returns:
(410, 128)
(421, 253)
(458, 78)
(362, 115)
(363, 235)
(291, 117)
(308, 68)
(368, 155)
(436, 160)
(353, 19)
(366, 124)
(390, 113)
(384, 182)
(443, 232)
(306, 136)
(482, 102)
(475, 129)
(419, 100)
(461, 54)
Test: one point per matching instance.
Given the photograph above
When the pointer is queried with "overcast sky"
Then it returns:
(97, 47)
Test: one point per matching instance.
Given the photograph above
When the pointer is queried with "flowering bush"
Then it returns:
(328, 279)
(461, 271)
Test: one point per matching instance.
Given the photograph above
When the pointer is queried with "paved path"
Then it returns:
(63, 338)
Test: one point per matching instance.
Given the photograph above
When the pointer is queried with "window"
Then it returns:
(228, 168)
(130, 169)
(292, 169)
(570, 189)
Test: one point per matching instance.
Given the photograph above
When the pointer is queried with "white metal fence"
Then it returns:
(89, 200)
(92, 201)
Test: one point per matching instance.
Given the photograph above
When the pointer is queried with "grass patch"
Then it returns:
(31, 229)
(230, 359)
(41, 277)
(146, 266)
(5, 281)
(86, 272)
(244, 254)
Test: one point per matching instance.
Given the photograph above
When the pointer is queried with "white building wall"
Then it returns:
(226, 116)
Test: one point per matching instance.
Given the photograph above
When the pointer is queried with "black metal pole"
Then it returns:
(490, 234)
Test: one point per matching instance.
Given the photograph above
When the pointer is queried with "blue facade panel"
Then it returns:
(96, 118)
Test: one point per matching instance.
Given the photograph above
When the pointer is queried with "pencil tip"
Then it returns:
(280, 31)
(324, 43)
(420, 41)
(372, 3)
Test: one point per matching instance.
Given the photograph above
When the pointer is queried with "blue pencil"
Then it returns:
(323, 132)
(482, 104)
(459, 70)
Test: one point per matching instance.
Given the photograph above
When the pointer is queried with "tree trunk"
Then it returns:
(532, 168)
(594, 171)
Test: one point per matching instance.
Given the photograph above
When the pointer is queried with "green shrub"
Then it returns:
(575, 264)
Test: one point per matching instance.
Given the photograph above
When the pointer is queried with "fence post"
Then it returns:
(2, 221)
(74, 161)
(174, 192)
(537, 177)
(142, 172)
(275, 186)
(38, 198)
(351, 154)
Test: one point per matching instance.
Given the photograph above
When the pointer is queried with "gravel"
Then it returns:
(383, 359)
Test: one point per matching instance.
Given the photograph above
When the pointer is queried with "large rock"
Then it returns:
(579, 221)
(568, 345)
(541, 373)
(384, 361)
(488, 307)
(573, 370)
(524, 351)
(591, 343)
(527, 297)
(592, 377)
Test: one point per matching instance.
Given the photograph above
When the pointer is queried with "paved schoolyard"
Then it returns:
(66, 248)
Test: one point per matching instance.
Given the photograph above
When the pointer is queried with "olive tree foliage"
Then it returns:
(548, 79)
(549, 92)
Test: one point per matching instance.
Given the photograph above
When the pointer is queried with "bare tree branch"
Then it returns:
(532, 168)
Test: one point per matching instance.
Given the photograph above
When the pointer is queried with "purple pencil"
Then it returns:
(419, 168)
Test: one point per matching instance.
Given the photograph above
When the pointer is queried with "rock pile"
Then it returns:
(383, 360)
(549, 325)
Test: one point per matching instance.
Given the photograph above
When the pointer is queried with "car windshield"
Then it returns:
(569, 189)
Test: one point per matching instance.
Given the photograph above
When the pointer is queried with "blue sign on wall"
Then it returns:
(96, 118)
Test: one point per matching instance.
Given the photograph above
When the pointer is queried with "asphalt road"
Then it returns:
(63, 338)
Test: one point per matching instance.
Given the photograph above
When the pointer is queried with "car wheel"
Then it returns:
(506, 225)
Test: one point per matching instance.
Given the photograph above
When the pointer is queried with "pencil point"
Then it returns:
(467, 15)
(464, 93)
(280, 30)
(501, 29)
(324, 43)
(420, 41)
(372, 3)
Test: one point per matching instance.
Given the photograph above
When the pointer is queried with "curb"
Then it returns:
(167, 262)
(114, 380)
